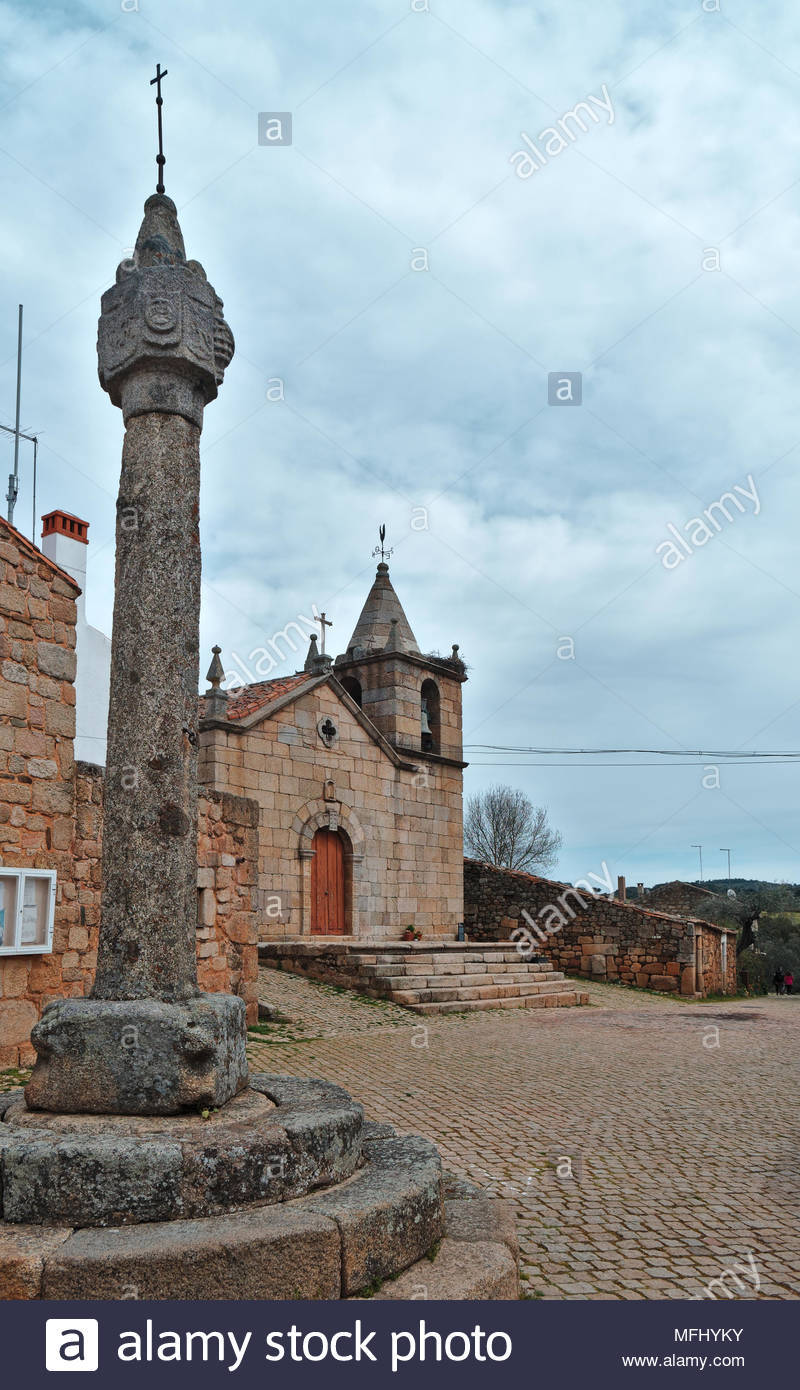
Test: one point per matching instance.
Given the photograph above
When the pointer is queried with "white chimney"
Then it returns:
(65, 539)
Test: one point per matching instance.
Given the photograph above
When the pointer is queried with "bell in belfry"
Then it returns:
(426, 724)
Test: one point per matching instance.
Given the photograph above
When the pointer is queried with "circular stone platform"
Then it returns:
(275, 1141)
(285, 1193)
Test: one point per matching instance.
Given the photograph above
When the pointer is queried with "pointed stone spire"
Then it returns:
(160, 239)
(316, 662)
(313, 654)
(216, 697)
(383, 609)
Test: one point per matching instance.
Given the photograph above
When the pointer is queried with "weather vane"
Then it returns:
(160, 160)
(381, 549)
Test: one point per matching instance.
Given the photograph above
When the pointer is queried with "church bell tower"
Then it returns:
(412, 698)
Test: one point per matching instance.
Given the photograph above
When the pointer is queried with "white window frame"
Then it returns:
(20, 948)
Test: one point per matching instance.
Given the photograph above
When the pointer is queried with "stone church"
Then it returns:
(356, 765)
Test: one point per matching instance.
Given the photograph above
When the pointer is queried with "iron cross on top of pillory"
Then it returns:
(160, 160)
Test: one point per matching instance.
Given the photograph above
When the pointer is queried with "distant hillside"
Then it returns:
(739, 885)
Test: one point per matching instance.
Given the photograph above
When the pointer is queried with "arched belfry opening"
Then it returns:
(430, 726)
(353, 688)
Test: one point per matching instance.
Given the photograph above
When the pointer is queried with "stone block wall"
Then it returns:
(597, 937)
(37, 773)
(51, 812)
(227, 880)
(227, 939)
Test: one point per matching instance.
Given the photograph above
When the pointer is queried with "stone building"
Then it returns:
(356, 766)
(597, 937)
(51, 819)
(685, 898)
(38, 604)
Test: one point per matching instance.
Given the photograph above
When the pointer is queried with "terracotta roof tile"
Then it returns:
(260, 693)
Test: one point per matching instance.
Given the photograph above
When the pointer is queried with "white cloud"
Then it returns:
(412, 389)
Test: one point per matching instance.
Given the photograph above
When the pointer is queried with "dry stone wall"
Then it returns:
(597, 937)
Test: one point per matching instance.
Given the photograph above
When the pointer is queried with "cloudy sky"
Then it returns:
(412, 289)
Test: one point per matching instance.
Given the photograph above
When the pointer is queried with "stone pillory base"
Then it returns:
(286, 1193)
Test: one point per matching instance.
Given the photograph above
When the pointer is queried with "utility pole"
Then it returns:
(700, 850)
(13, 478)
(34, 440)
(727, 851)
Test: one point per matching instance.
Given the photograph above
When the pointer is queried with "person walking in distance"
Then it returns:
(778, 980)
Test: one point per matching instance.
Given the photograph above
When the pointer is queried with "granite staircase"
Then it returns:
(448, 977)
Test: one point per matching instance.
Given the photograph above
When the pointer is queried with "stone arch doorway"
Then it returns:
(328, 884)
(338, 818)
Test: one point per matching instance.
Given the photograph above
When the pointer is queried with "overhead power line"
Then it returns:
(710, 753)
(484, 754)
(749, 762)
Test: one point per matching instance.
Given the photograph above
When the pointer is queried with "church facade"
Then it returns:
(356, 766)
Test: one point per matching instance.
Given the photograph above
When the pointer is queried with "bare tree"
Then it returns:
(501, 826)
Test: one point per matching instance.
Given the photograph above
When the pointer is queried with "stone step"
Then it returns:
(459, 969)
(478, 1257)
(567, 999)
(458, 976)
(422, 966)
(459, 982)
(458, 1270)
(454, 958)
(440, 989)
(444, 993)
(415, 972)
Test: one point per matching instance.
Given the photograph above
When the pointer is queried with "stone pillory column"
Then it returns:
(147, 1042)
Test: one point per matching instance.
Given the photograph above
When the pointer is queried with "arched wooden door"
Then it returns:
(327, 885)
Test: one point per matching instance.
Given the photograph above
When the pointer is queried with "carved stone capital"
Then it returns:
(162, 343)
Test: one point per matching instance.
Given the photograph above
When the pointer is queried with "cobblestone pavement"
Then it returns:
(677, 1120)
(315, 1010)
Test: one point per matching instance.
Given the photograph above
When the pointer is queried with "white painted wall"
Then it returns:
(93, 652)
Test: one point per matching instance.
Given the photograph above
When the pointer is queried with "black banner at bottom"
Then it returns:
(174, 1345)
